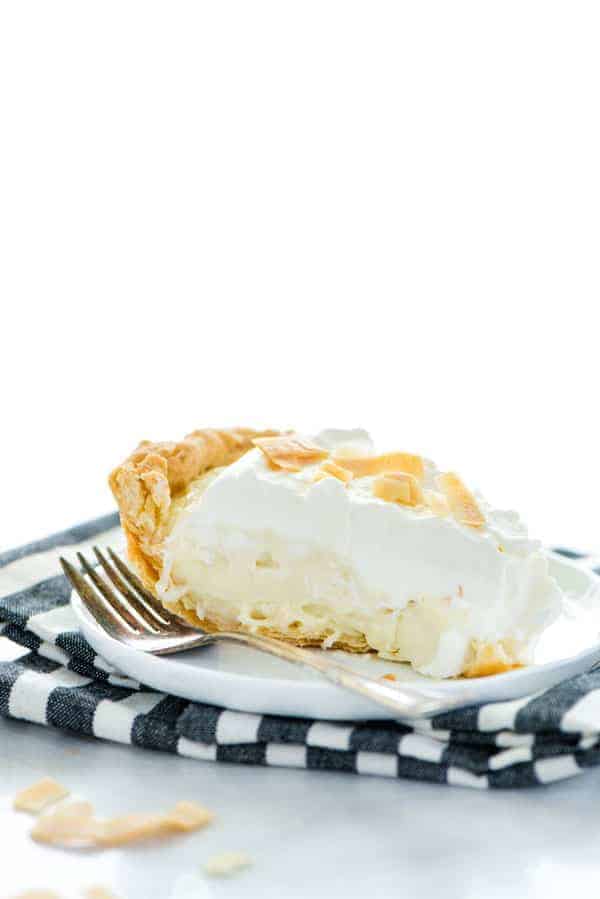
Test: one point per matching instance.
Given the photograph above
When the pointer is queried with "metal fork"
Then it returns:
(129, 613)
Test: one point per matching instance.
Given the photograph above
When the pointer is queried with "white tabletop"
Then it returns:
(311, 834)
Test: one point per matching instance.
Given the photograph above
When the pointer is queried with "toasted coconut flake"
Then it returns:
(364, 466)
(290, 452)
(227, 863)
(37, 894)
(99, 893)
(74, 825)
(132, 828)
(70, 825)
(183, 817)
(437, 502)
(39, 795)
(462, 503)
(388, 677)
(398, 487)
(188, 816)
(329, 468)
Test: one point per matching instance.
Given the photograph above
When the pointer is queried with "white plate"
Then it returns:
(244, 679)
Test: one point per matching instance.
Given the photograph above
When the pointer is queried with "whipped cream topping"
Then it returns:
(363, 556)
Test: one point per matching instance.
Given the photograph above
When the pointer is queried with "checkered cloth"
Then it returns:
(56, 679)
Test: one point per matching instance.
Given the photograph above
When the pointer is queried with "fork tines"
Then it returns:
(119, 593)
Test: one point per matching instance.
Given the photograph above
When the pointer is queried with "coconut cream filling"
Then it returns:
(257, 548)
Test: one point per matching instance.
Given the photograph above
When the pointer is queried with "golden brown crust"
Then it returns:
(488, 659)
(146, 482)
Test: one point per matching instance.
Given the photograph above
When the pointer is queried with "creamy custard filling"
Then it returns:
(313, 597)
(317, 559)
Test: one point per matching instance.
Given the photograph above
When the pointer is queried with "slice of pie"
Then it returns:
(325, 542)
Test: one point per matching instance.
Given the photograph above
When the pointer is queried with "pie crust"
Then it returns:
(145, 484)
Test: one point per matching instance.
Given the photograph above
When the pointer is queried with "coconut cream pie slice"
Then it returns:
(325, 542)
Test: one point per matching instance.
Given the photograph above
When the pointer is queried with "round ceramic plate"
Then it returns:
(240, 678)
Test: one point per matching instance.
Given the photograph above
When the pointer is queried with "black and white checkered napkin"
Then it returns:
(59, 681)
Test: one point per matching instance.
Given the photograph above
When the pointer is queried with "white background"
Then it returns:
(301, 214)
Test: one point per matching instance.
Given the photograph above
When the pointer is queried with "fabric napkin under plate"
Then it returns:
(60, 682)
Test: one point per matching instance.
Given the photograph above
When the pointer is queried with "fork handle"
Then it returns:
(407, 702)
